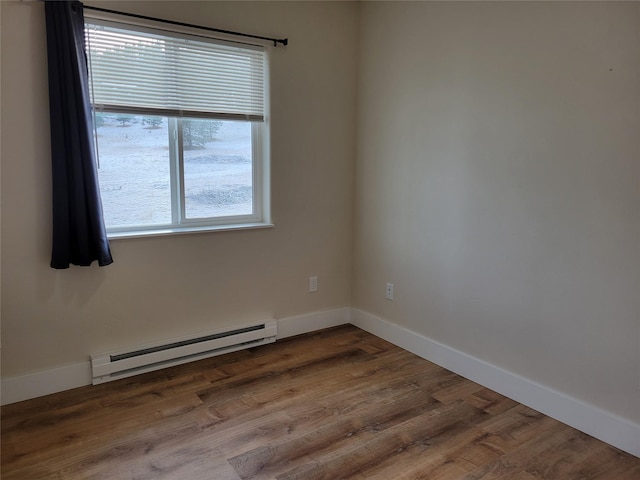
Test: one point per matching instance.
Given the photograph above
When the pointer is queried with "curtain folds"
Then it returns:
(79, 234)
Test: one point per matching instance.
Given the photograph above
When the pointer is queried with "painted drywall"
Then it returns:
(164, 287)
(497, 186)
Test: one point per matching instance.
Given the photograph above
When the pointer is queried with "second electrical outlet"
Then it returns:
(389, 293)
(313, 283)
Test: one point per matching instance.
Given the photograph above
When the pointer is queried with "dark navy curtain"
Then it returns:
(79, 235)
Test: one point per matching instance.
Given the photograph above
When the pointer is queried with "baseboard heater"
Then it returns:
(113, 366)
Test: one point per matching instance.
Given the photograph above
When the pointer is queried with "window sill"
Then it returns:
(186, 230)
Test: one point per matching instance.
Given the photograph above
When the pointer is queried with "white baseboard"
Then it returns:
(38, 384)
(608, 427)
(310, 322)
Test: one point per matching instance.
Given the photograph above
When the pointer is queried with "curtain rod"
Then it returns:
(283, 41)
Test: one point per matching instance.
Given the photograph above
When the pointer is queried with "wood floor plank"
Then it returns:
(490, 401)
(373, 448)
(514, 461)
(621, 465)
(458, 391)
(309, 415)
(330, 433)
(79, 429)
(338, 403)
(459, 445)
(342, 383)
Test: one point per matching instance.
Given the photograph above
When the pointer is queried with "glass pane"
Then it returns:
(218, 177)
(133, 169)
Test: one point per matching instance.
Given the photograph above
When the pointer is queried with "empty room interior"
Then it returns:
(451, 209)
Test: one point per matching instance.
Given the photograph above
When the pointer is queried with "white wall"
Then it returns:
(163, 287)
(497, 186)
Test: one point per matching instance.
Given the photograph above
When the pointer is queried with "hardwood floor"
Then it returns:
(339, 403)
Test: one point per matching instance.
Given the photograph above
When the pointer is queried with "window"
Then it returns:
(181, 131)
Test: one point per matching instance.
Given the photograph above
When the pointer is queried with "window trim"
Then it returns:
(260, 218)
(162, 232)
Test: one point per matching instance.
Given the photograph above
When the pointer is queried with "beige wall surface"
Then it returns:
(170, 286)
(498, 174)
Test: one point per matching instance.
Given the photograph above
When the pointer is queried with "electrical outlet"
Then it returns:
(313, 284)
(389, 293)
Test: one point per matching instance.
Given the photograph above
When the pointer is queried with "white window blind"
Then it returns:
(142, 70)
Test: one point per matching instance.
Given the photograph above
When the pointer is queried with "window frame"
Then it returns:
(260, 156)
